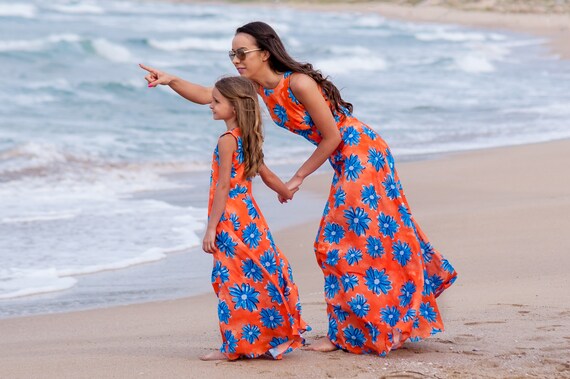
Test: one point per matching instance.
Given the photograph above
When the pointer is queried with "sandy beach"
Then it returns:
(499, 215)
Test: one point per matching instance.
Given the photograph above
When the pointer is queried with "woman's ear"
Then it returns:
(265, 55)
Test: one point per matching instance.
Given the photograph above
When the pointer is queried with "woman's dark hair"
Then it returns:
(280, 61)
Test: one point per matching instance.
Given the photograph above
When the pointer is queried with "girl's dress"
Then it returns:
(381, 274)
(258, 302)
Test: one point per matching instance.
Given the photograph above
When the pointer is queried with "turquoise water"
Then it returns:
(81, 135)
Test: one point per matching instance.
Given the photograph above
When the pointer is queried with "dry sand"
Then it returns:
(499, 215)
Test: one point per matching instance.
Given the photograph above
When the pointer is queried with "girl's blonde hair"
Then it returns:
(241, 93)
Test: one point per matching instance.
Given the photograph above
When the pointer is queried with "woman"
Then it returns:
(381, 274)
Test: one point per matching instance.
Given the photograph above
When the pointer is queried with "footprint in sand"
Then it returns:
(484, 322)
(549, 328)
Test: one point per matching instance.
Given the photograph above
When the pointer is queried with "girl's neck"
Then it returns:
(268, 78)
(231, 124)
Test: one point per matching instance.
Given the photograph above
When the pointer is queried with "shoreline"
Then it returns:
(495, 214)
(555, 27)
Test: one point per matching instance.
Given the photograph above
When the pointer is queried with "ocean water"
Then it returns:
(82, 139)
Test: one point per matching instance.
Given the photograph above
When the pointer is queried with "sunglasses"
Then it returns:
(240, 53)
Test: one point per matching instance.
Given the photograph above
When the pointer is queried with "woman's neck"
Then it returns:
(268, 78)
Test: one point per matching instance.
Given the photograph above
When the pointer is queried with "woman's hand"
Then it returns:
(293, 186)
(209, 241)
(285, 197)
(156, 77)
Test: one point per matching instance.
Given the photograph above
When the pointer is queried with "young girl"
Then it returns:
(258, 308)
(381, 274)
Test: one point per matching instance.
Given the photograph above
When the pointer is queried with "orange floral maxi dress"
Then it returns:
(258, 303)
(381, 274)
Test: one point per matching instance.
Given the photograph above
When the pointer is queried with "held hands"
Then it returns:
(209, 241)
(293, 186)
(156, 77)
(285, 197)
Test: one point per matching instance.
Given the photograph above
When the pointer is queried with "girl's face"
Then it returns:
(254, 59)
(221, 107)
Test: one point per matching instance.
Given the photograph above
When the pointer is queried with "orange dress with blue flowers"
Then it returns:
(381, 274)
(258, 302)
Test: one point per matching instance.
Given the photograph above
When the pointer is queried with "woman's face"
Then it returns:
(250, 65)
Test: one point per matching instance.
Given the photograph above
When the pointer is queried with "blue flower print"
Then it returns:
(406, 216)
(376, 159)
(357, 219)
(305, 133)
(359, 305)
(251, 235)
(274, 293)
(428, 312)
(354, 336)
(390, 315)
(369, 196)
(268, 262)
(333, 232)
(250, 333)
(332, 257)
(373, 331)
(326, 210)
(447, 266)
(336, 116)
(410, 315)
(374, 247)
(230, 342)
(280, 115)
(352, 168)
(426, 250)
(333, 329)
(406, 292)
(377, 281)
(416, 323)
(434, 331)
(353, 256)
(220, 271)
(390, 159)
(224, 312)
(339, 197)
(267, 92)
(391, 187)
(369, 132)
(234, 192)
(332, 286)
(251, 211)
(307, 120)
(244, 296)
(350, 136)
(402, 252)
(276, 341)
(431, 283)
(225, 243)
(388, 225)
(345, 111)
(340, 313)
(251, 270)
(269, 237)
(271, 318)
(239, 151)
(233, 173)
(234, 218)
(292, 96)
(349, 281)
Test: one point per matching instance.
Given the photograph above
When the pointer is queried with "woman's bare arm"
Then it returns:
(190, 91)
